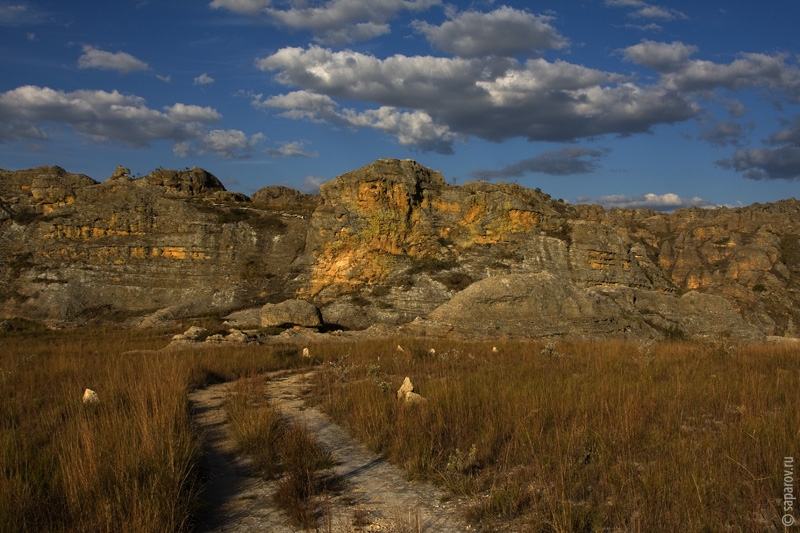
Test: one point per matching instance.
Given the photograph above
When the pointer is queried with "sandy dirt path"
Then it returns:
(374, 495)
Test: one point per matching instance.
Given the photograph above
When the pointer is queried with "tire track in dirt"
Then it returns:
(374, 495)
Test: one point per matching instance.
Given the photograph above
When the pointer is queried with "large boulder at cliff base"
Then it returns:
(291, 313)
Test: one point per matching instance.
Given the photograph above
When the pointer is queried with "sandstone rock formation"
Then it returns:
(74, 249)
(392, 244)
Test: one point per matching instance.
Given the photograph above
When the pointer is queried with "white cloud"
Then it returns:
(680, 73)
(291, 149)
(203, 79)
(505, 32)
(99, 115)
(642, 9)
(312, 184)
(243, 7)
(660, 56)
(658, 202)
(301, 105)
(230, 144)
(22, 14)
(122, 62)
(410, 128)
(750, 70)
(344, 21)
(493, 99)
(192, 113)
(428, 101)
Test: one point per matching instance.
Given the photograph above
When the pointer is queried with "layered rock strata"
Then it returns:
(392, 243)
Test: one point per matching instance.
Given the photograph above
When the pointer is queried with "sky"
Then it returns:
(624, 103)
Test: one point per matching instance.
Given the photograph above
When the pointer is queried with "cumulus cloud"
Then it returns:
(657, 202)
(641, 9)
(243, 7)
(681, 74)
(663, 57)
(203, 79)
(230, 144)
(414, 129)
(491, 98)
(291, 149)
(122, 62)
(503, 32)
(563, 162)
(779, 160)
(192, 113)
(99, 115)
(334, 22)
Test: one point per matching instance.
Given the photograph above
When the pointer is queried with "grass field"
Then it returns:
(590, 436)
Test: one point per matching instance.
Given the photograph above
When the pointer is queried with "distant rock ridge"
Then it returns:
(392, 244)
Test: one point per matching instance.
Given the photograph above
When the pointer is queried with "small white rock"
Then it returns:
(90, 397)
(405, 388)
(305, 353)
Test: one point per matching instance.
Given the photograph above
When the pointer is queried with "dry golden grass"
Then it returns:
(593, 436)
(129, 463)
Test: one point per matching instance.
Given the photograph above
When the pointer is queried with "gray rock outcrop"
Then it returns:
(291, 313)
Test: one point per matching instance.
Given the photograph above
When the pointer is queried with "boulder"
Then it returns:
(528, 305)
(245, 319)
(291, 313)
(236, 335)
(191, 335)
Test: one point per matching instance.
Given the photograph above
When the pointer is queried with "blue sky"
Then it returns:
(621, 102)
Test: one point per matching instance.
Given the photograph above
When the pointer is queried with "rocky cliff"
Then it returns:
(73, 248)
(393, 243)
